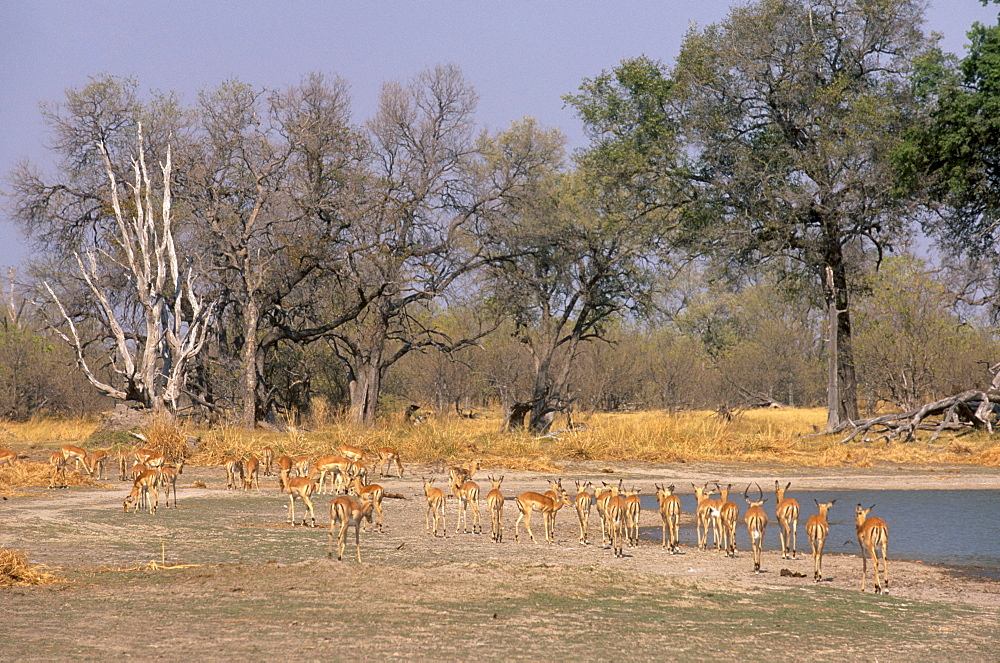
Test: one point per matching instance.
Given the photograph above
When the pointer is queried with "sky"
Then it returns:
(520, 55)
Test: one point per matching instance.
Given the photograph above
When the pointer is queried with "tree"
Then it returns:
(773, 130)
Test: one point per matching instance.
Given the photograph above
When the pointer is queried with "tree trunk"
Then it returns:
(842, 396)
(249, 362)
(365, 384)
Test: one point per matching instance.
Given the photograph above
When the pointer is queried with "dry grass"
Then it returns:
(776, 436)
(29, 474)
(41, 429)
(15, 570)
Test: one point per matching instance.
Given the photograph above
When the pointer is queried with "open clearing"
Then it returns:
(247, 584)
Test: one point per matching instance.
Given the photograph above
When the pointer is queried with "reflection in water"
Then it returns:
(951, 527)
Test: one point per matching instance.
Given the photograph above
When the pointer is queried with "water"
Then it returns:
(948, 527)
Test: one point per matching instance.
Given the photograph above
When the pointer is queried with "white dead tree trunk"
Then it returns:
(151, 362)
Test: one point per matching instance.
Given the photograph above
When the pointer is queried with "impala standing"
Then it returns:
(528, 502)
(873, 533)
(633, 509)
(387, 456)
(58, 463)
(467, 494)
(787, 513)
(756, 521)
(268, 455)
(301, 487)
(670, 512)
(234, 467)
(373, 493)
(705, 519)
(816, 529)
(494, 499)
(347, 511)
(435, 507)
(252, 469)
(584, 499)
(729, 515)
(614, 514)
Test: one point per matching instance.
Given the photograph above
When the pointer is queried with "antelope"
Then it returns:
(601, 498)
(816, 529)
(252, 468)
(155, 461)
(58, 463)
(582, 502)
(633, 508)
(787, 514)
(143, 455)
(386, 457)
(373, 493)
(301, 466)
(234, 466)
(872, 533)
(7, 457)
(614, 514)
(168, 480)
(729, 514)
(705, 521)
(76, 453)
(267, 455)
(460, 474)
(359, 469)
(494, 499)
(143, 492)
(756, 521)
(467, 493)
(301, 487)
(347, 511)
(136, 470)
(123, 465)
(528, 502)
(670, 512)
(284, 471)
(351, 453)
(97, 460)
(435, 505)
(336, 465)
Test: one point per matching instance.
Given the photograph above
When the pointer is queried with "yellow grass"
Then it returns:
(15, 570)
(766, 435)
(39, 429)
(30, 474)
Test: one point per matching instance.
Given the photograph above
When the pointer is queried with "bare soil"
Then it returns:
(239, 581)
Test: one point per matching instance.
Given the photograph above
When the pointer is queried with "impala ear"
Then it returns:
(816, 501)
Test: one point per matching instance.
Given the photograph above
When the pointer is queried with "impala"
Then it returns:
(373, 493)
(143, 455)
(70, 452)
(168, 481)
(143, 492)
(347, 511)
(633, 508)
(301, 487)
(338, 466)
(435, 507)
(267, 453)
(284, 471)
(123, 457)
(787, 514)
(136, 470)
(756, 521)
(494, 499)
(670, 512)
(584, 499)
(872, 533)
(301, 466)
(705, 507)
(251, 468)
(351, 453)
(386, 457)
(461, 474)
(816, 529)
(97, 460)
(528, 502)
(614, 514)
(58, 464)
(7, 457)
(601, 498)
(234, 467)
(467, 494)
(729, 515)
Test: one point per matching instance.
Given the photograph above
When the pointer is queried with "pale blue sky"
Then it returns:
(520, 56)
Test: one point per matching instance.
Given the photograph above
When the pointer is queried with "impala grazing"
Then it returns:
(670, 512)
(252, 469)
(435, 507)
(787, 514)
(58, 463)
(144, 492)
(756, 521)
(494, 499)
(387, 456)
(583, 501)
(816, 529)
(97, 460)
(347, 511)
(528, 502)
(873, 533)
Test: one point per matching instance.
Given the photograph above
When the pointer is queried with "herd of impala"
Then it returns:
(359, 500)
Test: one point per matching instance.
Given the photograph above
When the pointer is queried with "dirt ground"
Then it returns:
(239, 581)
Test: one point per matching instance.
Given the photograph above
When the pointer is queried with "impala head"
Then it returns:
(723, 492)
(860, 513)
(760, 496)
(823, 508)
(428, 483)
